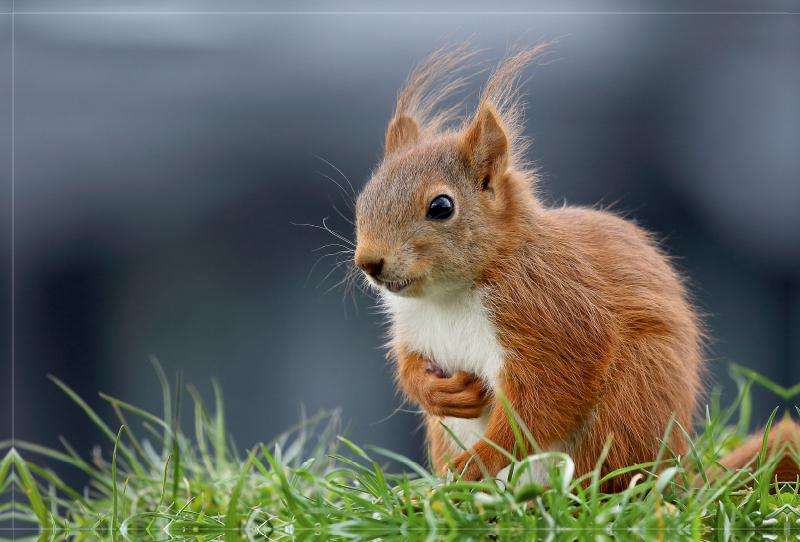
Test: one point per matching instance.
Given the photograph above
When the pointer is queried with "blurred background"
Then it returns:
(163, 156)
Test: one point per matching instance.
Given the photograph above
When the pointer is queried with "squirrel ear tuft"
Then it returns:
(403, 131)
(486, 145)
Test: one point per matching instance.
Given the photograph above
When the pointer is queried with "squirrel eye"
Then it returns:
(441, 208)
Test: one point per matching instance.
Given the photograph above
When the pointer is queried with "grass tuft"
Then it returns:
(313, 483)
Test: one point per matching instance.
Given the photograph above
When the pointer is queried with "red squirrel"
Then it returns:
(576, 315)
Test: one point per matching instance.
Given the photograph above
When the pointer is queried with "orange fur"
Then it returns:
(596, 328)
(783, 442)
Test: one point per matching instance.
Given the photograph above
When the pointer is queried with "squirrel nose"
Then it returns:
(372, 267)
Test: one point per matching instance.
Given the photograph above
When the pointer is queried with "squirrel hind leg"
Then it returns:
(627, 448)
(635, 430)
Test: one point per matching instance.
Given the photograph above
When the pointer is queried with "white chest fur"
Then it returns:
(456, 332)
(458, 335)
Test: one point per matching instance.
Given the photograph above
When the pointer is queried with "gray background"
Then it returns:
(161, 160)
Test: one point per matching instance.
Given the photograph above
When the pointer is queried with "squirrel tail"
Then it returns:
(783, 444)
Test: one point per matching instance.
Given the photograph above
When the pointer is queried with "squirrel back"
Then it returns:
(575, 314)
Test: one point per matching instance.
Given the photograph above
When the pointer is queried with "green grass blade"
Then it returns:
(513, 421)
(763, 455)
(219, 418)
(361, 453)
(775, 388)
(163, 491)
(424, 474)
(595, 484)
(138, 411)
(165, 391)
(29, 483)
(176, 427)
(129, 456)
(695, 455)
(744, 402)
(114, 488)
(131, 437)
(201, 417)
(765, 478)
(57, 482)
(453, 436)
(5, 466)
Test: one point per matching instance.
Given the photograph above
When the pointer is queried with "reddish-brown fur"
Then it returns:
(598, 334)
(607, 345)
(783, 443)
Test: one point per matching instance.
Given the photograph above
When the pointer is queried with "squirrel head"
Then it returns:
(428, 220)
(443, 204)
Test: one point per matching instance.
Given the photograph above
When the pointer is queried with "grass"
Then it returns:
(311, 483)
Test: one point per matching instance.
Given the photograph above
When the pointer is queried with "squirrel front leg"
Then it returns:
(460, 396)
(548, 415)
(483, 455)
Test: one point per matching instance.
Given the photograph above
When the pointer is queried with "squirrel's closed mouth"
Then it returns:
(397, 286)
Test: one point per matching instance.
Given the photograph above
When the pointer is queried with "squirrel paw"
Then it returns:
(461, 396)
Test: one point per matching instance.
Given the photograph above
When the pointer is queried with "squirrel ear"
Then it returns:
(486, 145)
(403, 131)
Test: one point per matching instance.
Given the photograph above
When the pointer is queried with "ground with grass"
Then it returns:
(313, 483)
